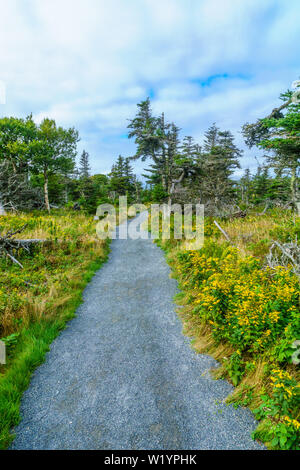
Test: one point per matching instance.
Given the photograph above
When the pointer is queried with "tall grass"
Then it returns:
(37, 302)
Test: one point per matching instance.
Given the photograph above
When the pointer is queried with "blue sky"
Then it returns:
(86, 63)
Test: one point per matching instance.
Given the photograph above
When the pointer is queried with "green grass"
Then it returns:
(39, 312)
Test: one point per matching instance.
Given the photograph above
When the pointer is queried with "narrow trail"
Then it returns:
(123, 376)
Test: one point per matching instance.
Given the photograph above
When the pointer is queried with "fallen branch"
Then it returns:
(14, 260)
(265, 209)
(9, 245)
(26, 243)
(223, 231)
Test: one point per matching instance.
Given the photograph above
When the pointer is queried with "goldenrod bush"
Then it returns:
(247, 315)
(251, 307)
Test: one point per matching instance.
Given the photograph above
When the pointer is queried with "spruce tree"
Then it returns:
(84, 166)
(211, 138)
(278, 134)
(216, 164)
(122, 180)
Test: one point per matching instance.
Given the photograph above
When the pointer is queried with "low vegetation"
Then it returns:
(246, 314)
(38, 300)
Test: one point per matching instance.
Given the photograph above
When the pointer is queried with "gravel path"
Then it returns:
(123, 376)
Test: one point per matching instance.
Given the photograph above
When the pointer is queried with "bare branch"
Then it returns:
(14, 260)
(223, 231)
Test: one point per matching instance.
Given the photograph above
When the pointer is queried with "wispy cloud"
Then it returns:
(88, 62)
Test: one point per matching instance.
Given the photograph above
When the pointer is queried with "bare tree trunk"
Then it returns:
(164, 182)
(294, 185)
(169, 191)
(46, 194)
(172, 187)
(137, 192)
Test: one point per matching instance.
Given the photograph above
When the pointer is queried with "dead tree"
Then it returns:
(16, 192)
(11, 246)
(286, 254)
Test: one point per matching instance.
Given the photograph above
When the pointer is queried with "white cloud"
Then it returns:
(88, 62)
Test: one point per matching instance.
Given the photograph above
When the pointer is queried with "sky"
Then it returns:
(87, 63)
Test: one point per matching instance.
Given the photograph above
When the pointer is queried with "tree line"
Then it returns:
(38, 164)
(38, 169)
(186, 171)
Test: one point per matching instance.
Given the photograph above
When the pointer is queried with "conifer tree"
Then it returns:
(122, 180)
(217, 163)
(278, 134)
(84, 166)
